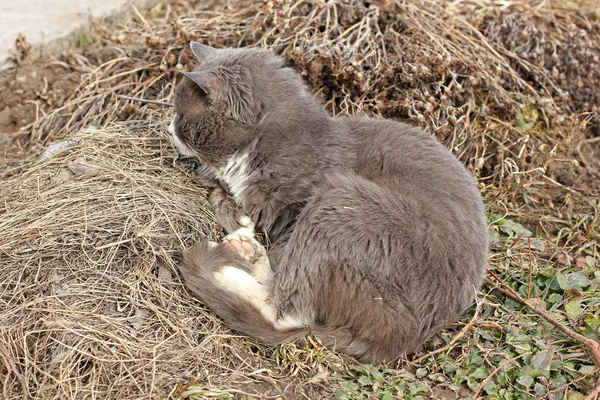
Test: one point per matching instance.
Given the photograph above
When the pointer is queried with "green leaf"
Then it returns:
(365, 380)
(479, 373)
(575, 280)
(512, 228)
(558, 381)
(562, 280)
(502, 378)
(349, 386)
(587, 369)
(591, 261)
(490, 388)
(522, 347)
(592, 322)
(556, 365)
(449, 367)
(530, 371)
(554, 298)
(541, 361)
(475, 359)
(573, 308)
(578, 280)
(540, 389)
(525, 380)
(82, 40)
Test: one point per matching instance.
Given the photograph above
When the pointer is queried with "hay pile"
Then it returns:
(91, 302)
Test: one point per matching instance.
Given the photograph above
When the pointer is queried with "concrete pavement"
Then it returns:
(45, 22)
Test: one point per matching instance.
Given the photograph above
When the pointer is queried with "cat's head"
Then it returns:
(219, 104)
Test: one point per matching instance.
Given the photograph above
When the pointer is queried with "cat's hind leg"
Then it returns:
(225, 281)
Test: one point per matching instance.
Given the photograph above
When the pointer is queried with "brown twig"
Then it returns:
(572, 382)
(591, 344)
(530, 268)
(595, 393)
(494, 372)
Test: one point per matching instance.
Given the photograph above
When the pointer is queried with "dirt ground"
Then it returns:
(33, 90)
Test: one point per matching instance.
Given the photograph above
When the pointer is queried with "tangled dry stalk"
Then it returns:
(90, 287)
(90, 299)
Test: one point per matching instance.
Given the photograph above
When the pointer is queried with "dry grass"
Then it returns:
(91, 302)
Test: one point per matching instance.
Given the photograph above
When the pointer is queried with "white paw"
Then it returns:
(242, 242)
(246, 222)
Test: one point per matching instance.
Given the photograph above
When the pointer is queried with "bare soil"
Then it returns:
(33, 90)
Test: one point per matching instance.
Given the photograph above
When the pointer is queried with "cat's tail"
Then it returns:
(242, 304)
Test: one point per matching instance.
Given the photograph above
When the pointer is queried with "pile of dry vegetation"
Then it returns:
(90, 300)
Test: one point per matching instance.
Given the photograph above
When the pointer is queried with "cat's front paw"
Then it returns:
(229, 214)
(246, 222)
(243, 242)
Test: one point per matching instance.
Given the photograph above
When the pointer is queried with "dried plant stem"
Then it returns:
(572, 382)
(160, 103)
(591, 344)
(494, 372)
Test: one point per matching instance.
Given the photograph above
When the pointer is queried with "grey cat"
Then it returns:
(378, 234)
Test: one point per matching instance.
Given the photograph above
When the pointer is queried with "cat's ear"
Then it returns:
(200, 50)
(205, 80)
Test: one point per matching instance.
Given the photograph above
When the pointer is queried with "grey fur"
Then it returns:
(378, 232)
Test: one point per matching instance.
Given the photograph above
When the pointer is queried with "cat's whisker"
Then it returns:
(149, 101)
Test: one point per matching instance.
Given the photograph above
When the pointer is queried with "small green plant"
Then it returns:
(369, 382)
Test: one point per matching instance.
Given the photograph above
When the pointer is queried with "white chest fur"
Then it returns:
(235, 174)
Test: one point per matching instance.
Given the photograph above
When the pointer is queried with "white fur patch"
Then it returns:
(263, 272)
(181, 147)
(245, 285)
(235, 175)
(246, 221)
(245, 231)
(289, 322)
(238, 281)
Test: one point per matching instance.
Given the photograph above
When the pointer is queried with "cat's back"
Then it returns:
(413, 166)
(402, 157)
